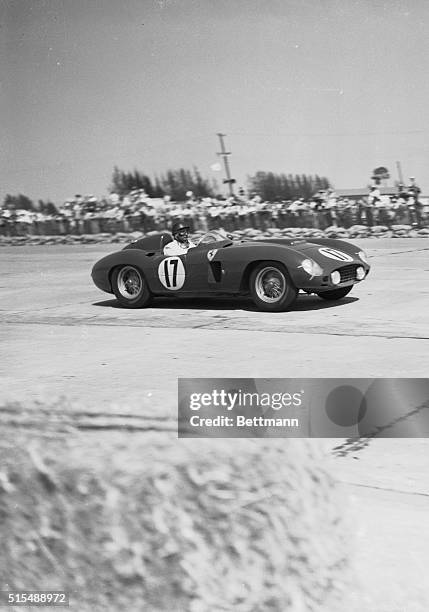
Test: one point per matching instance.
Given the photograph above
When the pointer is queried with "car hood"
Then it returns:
(294, 243)
(317, 251)
(301, 244)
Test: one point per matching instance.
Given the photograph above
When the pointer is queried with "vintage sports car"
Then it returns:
(271, 270)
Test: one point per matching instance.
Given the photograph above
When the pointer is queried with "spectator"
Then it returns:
(137, 212)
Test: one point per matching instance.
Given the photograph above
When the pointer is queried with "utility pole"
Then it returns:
(225, 154)
(399, 169)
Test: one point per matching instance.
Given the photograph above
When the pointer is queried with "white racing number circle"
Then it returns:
(171, 273)
(334, 254)
(211, 254)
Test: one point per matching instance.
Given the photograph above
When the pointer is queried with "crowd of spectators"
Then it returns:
(137, 212)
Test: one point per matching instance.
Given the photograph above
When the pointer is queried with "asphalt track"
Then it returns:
(60, 336)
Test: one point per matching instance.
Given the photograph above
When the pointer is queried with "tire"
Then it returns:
(130, 287)
(335, 294)
(271, 287)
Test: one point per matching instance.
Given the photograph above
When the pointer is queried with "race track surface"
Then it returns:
(61, 336)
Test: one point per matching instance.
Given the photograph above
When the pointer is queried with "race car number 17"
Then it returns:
(171, 273)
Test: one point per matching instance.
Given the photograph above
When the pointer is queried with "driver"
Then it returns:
(181, 243)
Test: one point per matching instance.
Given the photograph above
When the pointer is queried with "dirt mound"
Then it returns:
(144, 521)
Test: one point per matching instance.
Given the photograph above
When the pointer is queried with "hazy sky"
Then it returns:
(333, 87)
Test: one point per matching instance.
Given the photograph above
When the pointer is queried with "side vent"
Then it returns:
(215, 272)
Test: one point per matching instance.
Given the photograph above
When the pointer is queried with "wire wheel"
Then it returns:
(130, 287)
(130, 282)
(271, 287)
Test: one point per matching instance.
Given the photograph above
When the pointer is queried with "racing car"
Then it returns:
(271, 270)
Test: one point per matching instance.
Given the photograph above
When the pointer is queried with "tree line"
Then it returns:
(174, 183)
(22, 202)
(177, 183)
(272, 187)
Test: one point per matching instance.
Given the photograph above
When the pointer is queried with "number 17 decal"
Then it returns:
(171, 273)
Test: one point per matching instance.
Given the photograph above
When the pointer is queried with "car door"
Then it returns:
(190, 273)
(197, 264)
(206, 270)
(179, 274)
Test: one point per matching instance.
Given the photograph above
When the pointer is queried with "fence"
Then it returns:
(262, 219)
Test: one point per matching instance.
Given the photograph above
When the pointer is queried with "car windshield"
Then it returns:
(215, 236)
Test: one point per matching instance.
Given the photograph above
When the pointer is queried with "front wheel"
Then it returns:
(130, 287)
(335, 294)
(271, 287)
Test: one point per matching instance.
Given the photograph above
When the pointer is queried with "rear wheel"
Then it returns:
(335, 294)
(130, 287)
(271, 287)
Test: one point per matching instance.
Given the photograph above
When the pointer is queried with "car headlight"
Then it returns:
(363, 256)
(360, 273)
(311, 267)
(335, 277)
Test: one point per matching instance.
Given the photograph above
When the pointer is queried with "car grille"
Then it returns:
(348, 273)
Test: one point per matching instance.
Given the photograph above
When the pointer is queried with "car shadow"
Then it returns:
(303, 303)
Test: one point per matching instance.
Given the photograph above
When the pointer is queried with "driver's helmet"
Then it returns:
(179, 227)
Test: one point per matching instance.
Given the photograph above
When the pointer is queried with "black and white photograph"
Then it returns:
(214, 328)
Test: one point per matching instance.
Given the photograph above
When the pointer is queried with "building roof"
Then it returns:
(364, 191)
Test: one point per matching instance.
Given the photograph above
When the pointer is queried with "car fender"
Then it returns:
(102, 269)
(239, 261)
